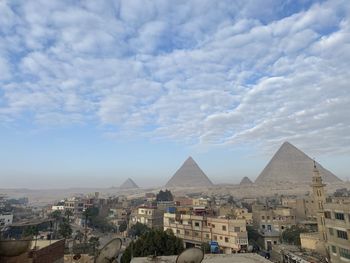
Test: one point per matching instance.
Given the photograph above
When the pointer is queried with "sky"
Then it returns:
(94, 92)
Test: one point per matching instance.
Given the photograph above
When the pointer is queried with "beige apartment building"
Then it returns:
(337, 222)
(148, 215)
(230, 234)
(271, 222)
(236, 213)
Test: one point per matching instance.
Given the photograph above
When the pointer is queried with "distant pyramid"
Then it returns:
(291, 165)
(245, 181)
(189, 174)
(129, 184)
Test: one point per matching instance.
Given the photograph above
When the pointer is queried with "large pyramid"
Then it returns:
(291, 165)
(245, 181)
(129, 184)
(189, 175)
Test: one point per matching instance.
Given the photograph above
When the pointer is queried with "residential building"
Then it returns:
(337, 225)
(271, 222)
(6, 219)
(236, 213)
(148, 215)
(230, 234)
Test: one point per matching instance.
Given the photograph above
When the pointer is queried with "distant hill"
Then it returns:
(129, 184)
(289, 164)
(189, 175)
(245, 181)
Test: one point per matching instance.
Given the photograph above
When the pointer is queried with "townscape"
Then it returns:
(190, 211)
(174, 131)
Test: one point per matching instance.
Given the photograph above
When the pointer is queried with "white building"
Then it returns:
(57, 207)
(6, 219)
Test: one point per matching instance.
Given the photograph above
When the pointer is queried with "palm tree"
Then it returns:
(68, 213)
(56, 215)
(79, 236)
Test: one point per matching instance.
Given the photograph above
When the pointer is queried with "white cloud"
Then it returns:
(199, 72)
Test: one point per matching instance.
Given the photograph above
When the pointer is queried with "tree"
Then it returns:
(123, 226)
(292, 235)
(94, 242)
(230, 200)
(138, 229)
(64, 229)
(79, 236)
(164, 196)
(155, 241)
(56, 215)
(68, 213)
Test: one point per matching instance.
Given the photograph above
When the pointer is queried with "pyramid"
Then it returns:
(129, 184)
(291, 165)
(189, 174)
(245, 181)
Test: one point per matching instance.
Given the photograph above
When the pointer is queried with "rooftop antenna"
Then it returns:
(191, 255)
(109, 253)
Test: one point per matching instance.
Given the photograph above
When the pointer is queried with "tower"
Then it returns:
(319, 197)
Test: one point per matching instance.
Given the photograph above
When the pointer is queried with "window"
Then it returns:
(177, 231)
(220, 237)
(331, 231)
(196, 224)
(345, 253)
(212, 225)
(207, 236)
(339, 216)
(224, 228)
(328, 215)
(196, 234)
(262, 217)
(263, 227)
(226, 239)
(342, 234)
(334, 249)
(215, 237)
(237, 229)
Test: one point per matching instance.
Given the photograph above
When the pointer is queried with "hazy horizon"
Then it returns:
(92, 93)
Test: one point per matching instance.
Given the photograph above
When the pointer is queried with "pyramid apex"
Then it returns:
(129, 183)
(189, 174)
(286, 143)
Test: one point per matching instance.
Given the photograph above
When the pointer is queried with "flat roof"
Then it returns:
(210, 258)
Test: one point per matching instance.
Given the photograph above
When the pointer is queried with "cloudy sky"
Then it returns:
(93, 92)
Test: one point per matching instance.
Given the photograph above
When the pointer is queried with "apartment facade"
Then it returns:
(6, 219)
(337, 223)
(150, 216)
(271, 222)
(230, 234)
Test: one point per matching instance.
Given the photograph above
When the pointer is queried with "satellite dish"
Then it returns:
(191, 255)
(109, 253)
(76, 257)
(12, 248)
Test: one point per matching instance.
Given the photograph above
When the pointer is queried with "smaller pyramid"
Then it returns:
(129, 184)
(189, 175)
(245, 181)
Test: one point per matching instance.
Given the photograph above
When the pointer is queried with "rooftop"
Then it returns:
(209, 258)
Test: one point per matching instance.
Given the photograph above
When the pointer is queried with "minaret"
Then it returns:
(319, 201)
